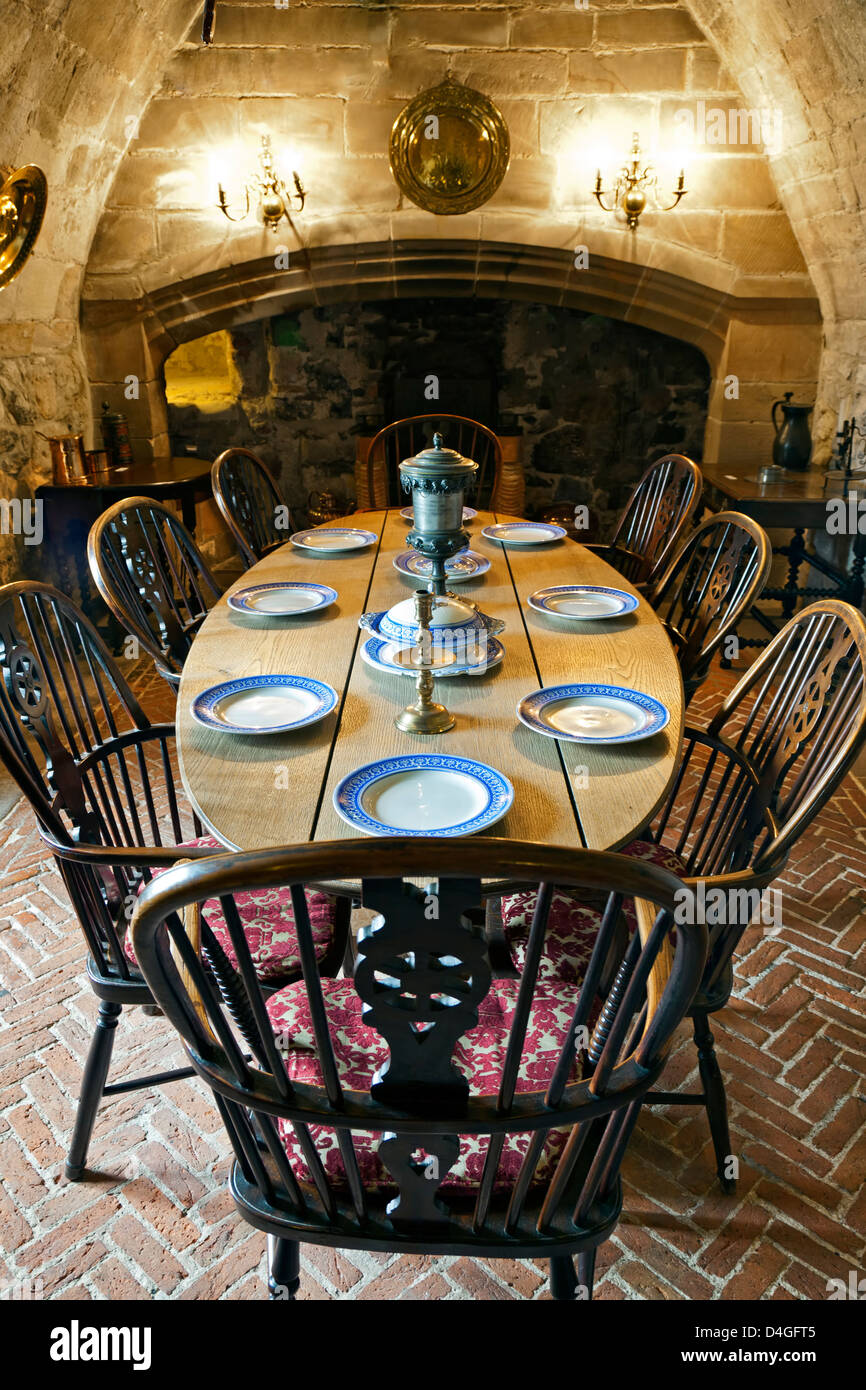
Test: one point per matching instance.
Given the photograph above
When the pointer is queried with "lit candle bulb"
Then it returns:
(843, 414)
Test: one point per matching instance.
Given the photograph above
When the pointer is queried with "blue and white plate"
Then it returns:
(386, 656)
(464, 565)
(593, 713)
(333, 540)
(264, 704)
(582, 601)
(423, 794)
(524, 532)
(283, 598)
(408, 514)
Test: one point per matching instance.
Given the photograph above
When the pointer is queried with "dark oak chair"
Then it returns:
(710, 583)
(251, 504)
(405, 438)
(746, 789)
(656, 520)
(425, 1105)
(102, 782)
(153, 577)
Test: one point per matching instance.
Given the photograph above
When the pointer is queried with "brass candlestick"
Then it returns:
(425, 716)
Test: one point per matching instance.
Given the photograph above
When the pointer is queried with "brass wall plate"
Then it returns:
(449, 149)
(23, 197)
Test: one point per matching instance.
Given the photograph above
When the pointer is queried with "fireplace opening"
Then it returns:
(584, 401)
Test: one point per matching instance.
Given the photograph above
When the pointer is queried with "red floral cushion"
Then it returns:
(572, 927)
(360, 1051)
(269, 923)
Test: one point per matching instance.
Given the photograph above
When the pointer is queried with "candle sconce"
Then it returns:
(266, 188)
(634, 187)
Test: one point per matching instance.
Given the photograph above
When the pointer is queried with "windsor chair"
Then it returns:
(250, 503)
(101, 780)
(424, 1105)
(657, 517)
(154, 579)
(746, 789)
(708, 586)
(405, 438)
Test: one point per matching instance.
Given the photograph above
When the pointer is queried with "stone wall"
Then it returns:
(805, 58)
(593, 399)
(326, 82)
(76, 75)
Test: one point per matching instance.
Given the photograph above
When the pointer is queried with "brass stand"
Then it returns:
(425, 716)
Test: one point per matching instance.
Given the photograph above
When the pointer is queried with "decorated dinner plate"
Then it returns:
(282, 598)
(582, 601)
(332, 540)
(524, 532)
(593, 713)
(423, 794)
(464, 565)
(393, 658)
(264, 704)
(408, 514)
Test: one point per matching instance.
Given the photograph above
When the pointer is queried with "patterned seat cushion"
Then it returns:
(269, 923)
(572, 926)
(360, 1051)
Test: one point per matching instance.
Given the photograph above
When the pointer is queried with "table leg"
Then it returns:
(854, 587)
(187, 509)
(796, 554)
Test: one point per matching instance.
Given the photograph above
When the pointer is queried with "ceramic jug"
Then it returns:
(792, 447)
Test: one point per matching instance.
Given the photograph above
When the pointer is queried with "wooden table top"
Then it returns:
(163, 474)
(793, 499)
(257, 792)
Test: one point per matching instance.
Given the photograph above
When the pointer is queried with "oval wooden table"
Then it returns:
(257, 792)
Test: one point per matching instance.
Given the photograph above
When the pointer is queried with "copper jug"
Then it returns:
(68, 459)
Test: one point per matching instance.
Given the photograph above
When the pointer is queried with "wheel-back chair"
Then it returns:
(710, 583)
(251, 504)
(101, 780)
(425, 1105)
(153, 577)
(405, 438)
(657, 518)
(747, 787)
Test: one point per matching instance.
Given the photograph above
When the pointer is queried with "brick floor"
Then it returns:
(155, 1220)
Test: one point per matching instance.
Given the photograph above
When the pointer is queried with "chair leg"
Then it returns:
(586, 1270)
(563, 1280)
(92, 1086)
(284, 1268)
(716, 1100)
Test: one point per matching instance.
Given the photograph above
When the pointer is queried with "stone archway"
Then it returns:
(754, 345)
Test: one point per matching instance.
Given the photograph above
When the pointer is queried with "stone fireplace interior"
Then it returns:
(588, 400)
(755, 276)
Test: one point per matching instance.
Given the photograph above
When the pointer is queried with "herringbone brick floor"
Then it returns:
(154, 1219)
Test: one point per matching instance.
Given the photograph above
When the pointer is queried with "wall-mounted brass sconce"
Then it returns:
(268, 190)
(23, 195)
(635, 186)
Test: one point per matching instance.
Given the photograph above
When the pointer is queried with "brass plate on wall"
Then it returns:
(23, 196)
(449, 149)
